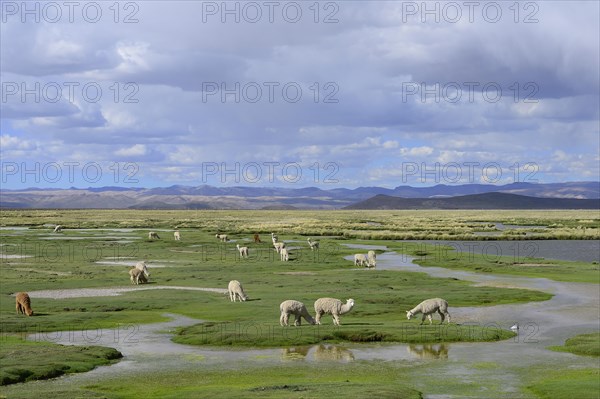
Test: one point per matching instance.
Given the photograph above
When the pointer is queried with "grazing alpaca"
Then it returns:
(236, 290)
(58, 228)
(332, 306)
(372, 259)
(242, 250)
(297, 309)
(23, 303)
(137, 276)
(361, 260)
(152, 235)
(222, 237)
(313, 244)
(428, 307)
(257, 239)
(177, 235)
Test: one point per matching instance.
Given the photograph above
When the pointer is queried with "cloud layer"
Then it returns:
(362, 91)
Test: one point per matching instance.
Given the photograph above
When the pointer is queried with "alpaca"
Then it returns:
(428, 307)
(278, 246)
(23, 303)
(361, 260)
(274, 238)
(143, 267)
(242, 250)
(332, 306)
(297, 309)
(257, 239)
(137, 276)
(284, 254)
(313, 244)
(236, 290)
(222, 237)
(152, 235)
(372, 259)
(177, 235)
(58, 228)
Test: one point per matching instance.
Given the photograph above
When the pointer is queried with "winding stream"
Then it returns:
(572, 310)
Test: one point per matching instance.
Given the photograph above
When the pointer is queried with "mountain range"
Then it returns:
(242, 197)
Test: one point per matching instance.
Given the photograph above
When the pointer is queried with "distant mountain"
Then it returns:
(241, 197)
(476, 201)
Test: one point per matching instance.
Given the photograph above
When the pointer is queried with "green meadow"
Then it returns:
(96, 249)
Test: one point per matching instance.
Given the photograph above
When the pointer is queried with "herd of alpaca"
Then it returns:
(332, 306)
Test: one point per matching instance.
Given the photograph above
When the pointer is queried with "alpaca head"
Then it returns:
(409, 314)
(28, 312)
(350, 304)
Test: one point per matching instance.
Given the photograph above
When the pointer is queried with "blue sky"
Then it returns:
(327, 94)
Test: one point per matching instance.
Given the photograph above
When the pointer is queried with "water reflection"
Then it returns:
(318, 353)
(429, 351)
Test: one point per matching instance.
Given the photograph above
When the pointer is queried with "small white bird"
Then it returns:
(515, 327)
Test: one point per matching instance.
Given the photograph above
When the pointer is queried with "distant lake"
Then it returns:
(573, 250)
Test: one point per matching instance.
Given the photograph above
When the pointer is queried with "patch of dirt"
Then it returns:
(92, 292)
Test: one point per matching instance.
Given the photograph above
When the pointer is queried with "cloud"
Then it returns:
(179, 87)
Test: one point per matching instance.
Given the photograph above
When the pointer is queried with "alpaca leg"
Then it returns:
(442, 315)
(286, 318)
(318, 318)
(448, 315)
(430, 319)
(423, 319)
(336, 319)
(282, 319)
(298, 321)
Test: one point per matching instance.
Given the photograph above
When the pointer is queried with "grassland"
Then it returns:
(35, 259)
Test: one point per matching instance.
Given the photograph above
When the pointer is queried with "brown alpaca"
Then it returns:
(23, 303)
(257, 238)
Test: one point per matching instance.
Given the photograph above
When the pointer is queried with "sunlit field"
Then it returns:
(96, 249)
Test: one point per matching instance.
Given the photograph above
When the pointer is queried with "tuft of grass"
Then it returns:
(22, 361)
(584, 344)
(568, 384)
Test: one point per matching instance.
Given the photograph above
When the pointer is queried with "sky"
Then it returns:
(296, 94)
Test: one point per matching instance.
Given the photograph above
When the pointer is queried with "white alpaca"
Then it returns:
(143, 267)
(222, 237)
(332, 306)
(242, 250)
(137, 276)
(278, 246)
(428, 307)
(297, 309)
(372, 258)
(152, 235)
(58, 228)
(313, 244)
(361, 260)
(177, 235)
(236, 290)
(284, 254)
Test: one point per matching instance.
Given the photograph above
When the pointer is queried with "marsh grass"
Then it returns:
(584, 344)
(26, 361)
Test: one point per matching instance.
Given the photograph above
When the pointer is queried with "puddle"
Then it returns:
(132, 263)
